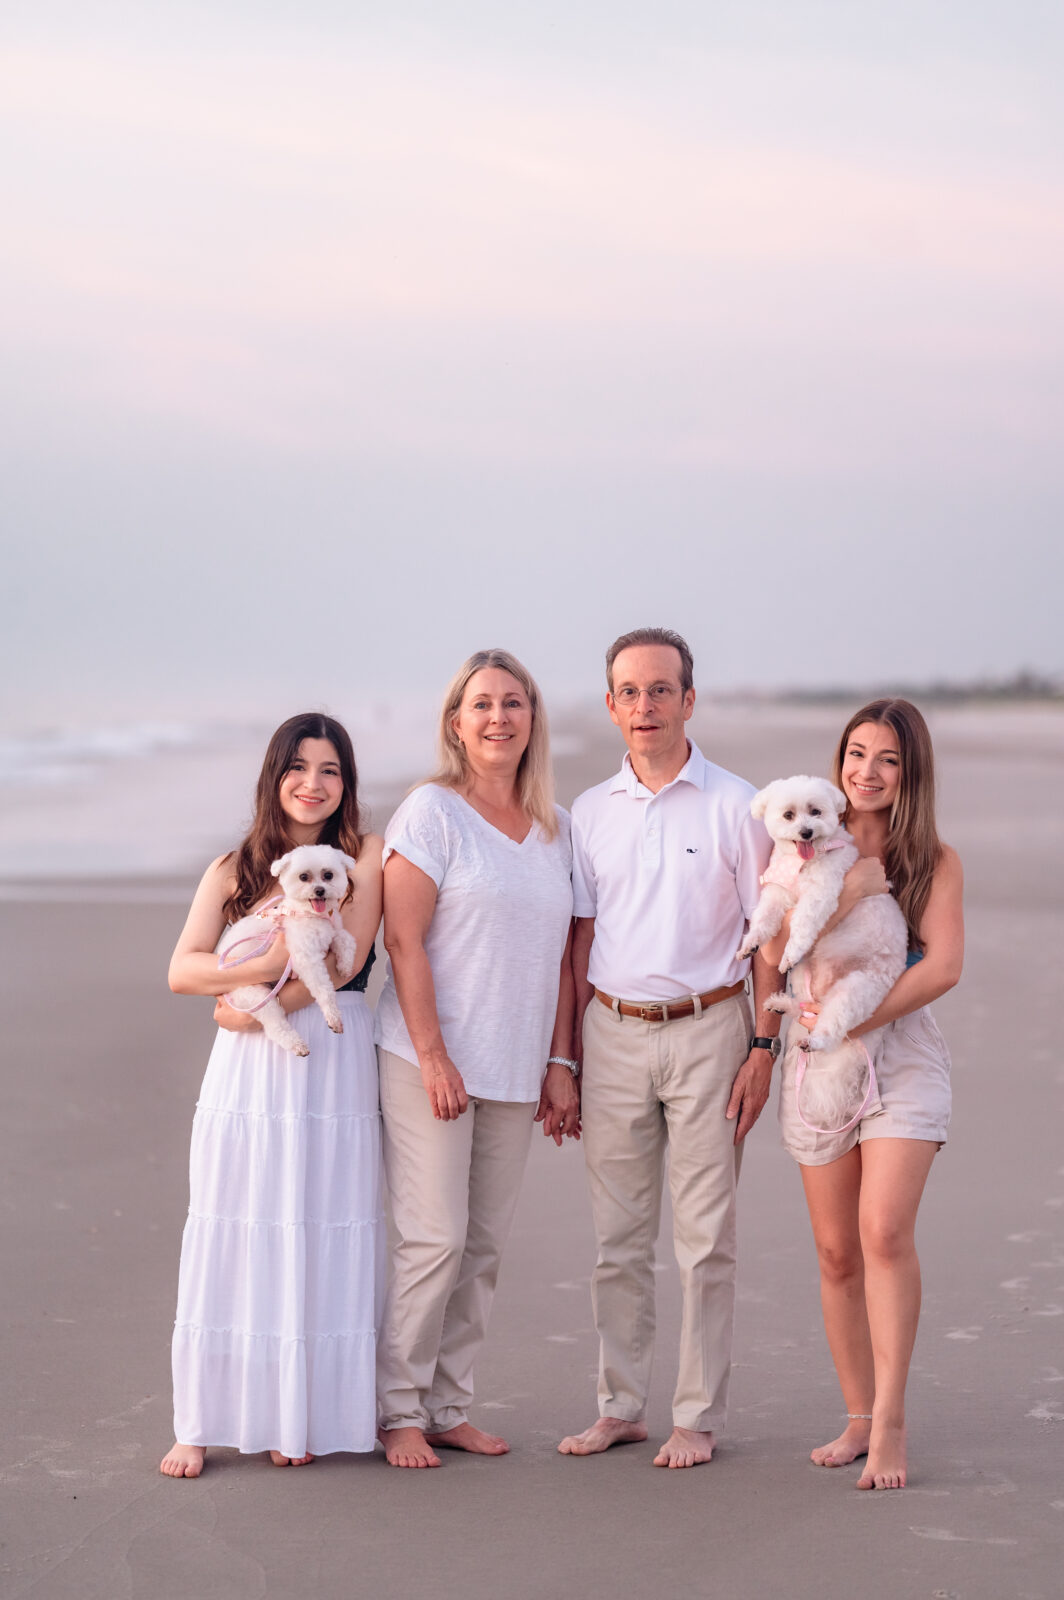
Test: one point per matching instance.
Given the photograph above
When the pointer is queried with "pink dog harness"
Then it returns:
(784, 871)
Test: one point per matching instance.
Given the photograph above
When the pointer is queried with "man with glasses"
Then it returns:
(666, 871)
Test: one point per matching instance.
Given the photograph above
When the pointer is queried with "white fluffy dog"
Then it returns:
(315, 883)
(848, 971)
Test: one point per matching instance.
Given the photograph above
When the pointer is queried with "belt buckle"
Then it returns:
(654, 1013)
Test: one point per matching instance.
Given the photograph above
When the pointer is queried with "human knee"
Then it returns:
(886, 1240)
(840, 1259)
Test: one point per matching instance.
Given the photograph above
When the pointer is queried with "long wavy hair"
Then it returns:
(913, 846)
(535, 776)
(268, 837)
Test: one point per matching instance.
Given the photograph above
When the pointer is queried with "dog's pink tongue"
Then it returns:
(319, 905)
(806, 850)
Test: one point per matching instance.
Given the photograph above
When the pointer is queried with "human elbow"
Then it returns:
(399, 943)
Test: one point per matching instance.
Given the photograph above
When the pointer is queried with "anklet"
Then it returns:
(859, 1416)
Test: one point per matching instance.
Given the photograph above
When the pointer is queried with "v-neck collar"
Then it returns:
(518, 844)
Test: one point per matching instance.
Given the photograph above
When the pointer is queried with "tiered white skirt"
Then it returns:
(282, 1258)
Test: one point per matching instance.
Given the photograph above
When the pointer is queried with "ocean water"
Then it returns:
(87, 811)
(161, 799)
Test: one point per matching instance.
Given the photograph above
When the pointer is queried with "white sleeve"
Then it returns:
(585, 900)
(418, 831)
(755, 848)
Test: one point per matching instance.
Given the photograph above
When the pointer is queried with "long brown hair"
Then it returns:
(535, 776)
(913, 846)
(268, 836)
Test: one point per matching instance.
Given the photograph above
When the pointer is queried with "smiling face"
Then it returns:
(871, 767)
(493, 722)
(311, 789)
(649, 705)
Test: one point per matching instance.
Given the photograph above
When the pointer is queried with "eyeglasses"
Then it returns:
(628, 694)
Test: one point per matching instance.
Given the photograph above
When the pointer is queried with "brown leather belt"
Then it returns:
(659, 1011)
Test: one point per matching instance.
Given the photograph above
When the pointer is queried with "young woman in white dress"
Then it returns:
(281, 1260)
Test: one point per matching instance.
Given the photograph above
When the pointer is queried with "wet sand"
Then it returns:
(101, 1079)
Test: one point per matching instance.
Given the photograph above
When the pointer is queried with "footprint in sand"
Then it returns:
(966, 1334)
(1047, 1411)
(946, 1537)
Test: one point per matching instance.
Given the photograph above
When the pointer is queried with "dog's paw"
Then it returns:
(301, 1049)
(337, 1026)
(745, 951)
(778, 1002)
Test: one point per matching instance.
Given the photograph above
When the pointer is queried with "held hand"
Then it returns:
(559, 1105)
(444, 1087)
(749, 1093)
(234, 1021)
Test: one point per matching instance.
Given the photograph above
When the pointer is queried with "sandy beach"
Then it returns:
(101, 1076)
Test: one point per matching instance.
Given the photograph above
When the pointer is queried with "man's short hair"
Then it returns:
(664, 636)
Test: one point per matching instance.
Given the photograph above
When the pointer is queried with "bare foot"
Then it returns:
(685, 1448)
(463, 1436)
(407, 1447)
(885, 1467)
(289, 1461)
(851, 1443)
(183, 1461)
(600, 1435)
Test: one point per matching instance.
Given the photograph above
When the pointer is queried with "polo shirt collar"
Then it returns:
(695, 771)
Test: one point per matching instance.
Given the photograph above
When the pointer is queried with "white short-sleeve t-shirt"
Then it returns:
(494, 944)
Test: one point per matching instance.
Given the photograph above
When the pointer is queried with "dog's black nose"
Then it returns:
(319, 893)
(806, 833)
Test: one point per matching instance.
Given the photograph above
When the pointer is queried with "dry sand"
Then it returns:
(101, 1080)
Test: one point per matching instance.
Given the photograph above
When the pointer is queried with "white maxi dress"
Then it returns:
(282, 1258)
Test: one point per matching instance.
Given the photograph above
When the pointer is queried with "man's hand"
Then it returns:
(559, 1105)
(749, 1094)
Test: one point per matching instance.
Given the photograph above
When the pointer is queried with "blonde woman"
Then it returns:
(474, 1030)
(863, 1187)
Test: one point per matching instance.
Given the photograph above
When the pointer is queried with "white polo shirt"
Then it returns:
(671, 879)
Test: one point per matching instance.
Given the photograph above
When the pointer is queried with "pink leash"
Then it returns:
(873, 1090)
(227, 959)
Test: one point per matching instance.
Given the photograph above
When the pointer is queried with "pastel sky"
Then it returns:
(338, 340)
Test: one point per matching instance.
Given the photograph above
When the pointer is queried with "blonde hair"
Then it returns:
(913, 846)
(535, 776)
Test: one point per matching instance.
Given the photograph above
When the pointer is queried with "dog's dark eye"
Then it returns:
(788, 816)
(304, 877)
(813, 812)
(327, 876)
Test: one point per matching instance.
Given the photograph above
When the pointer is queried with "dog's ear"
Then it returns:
(279, 866)
(838, 799)
(759, 804)
(349, 861)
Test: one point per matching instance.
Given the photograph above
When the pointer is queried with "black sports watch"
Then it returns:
(771, 1045)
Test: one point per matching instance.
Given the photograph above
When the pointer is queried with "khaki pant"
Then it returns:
(648, 1086)
(453, 1188)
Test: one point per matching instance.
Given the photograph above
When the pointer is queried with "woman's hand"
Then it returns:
(444, 1087)
(866, 877)
(233, 1021)
(559, 1105)
(809, 1013)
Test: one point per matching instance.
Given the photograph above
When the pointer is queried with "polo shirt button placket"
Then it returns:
(651, 836)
